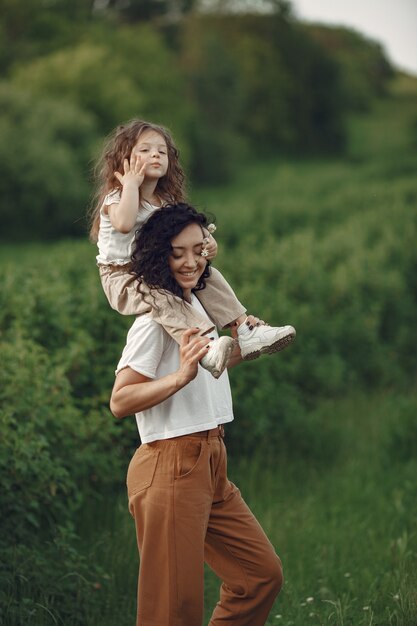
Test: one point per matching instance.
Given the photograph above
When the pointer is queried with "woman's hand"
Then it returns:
(192, 349)
(209, 248)
(134, 171)
(134, 392)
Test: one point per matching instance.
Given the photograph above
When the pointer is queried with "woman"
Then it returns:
(186, 511)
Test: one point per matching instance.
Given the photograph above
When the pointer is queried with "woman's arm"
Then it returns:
(133, 392)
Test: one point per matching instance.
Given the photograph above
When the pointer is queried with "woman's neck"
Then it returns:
(186, 294)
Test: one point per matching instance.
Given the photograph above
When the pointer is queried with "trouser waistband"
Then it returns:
(213, 432)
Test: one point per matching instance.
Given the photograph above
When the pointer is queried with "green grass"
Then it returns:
(346, 535)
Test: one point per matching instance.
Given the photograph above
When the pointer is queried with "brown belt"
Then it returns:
(213, 432)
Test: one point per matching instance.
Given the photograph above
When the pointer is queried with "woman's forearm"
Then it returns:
(136, 396)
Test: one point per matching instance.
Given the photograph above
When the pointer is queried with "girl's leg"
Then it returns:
(238, 550)
(220, 301)
(174, 315)
(223, 307)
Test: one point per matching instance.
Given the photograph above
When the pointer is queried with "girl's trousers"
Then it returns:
(187, 512)
(174, 314)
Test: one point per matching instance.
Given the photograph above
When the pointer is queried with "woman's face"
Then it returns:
(185, 261)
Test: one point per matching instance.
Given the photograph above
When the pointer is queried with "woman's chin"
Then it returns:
(188, 282)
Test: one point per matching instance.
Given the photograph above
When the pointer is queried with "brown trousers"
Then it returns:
(187, 512)
(174, 314)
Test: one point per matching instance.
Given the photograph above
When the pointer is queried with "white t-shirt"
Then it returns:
(115, 248)
(201, 405)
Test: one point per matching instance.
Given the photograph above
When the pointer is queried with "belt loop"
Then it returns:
(221, 431)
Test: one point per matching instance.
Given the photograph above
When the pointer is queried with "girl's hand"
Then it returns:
(134, 171)
(252, 321)
(192, 350)
(210, 248)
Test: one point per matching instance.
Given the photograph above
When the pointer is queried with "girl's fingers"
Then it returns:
(252, 321)
(119, 176)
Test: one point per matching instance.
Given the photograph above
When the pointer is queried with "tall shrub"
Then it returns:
(45, 148)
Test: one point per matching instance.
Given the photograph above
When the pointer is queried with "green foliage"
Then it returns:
(402, 440)
(275, 86)
(52, 583)
(60, 447)
(212, 134)
(345, 535)
(147, 10)
(51, 116)
(225, 84)
(100, 77)
(29, 28)
(364, 68)
(44, 148)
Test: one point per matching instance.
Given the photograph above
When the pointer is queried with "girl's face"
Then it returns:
(151, 149)
(185, 261)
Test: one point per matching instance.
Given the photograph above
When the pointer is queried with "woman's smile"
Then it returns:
(189, 273)
(186, 262)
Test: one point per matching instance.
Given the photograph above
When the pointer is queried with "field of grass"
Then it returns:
(327, 245)
(347, 536)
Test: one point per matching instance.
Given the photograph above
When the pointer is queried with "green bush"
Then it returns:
(51, 582)
(60, 446)
(401, 442)
(99, 77)
(45, 147)
(365, 71)
(275, 85)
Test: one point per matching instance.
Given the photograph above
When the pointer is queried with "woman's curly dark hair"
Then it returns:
(152, 248)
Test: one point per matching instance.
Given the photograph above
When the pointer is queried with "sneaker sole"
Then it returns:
(279, 345)
(226, 356)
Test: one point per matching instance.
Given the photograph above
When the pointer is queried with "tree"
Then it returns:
(45, 148)
(364, 67)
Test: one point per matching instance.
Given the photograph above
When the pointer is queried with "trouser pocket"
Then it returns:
(187, 456)
(141, 470)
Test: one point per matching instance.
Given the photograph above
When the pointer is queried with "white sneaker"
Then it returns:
(263, 340)
(218, 355)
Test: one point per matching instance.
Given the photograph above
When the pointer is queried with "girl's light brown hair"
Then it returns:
(118, 146)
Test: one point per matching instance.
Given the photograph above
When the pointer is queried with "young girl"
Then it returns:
(137, 174)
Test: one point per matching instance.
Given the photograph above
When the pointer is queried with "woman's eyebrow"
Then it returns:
(184, 247)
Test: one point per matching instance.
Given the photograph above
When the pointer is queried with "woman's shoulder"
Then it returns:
(146, 334)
